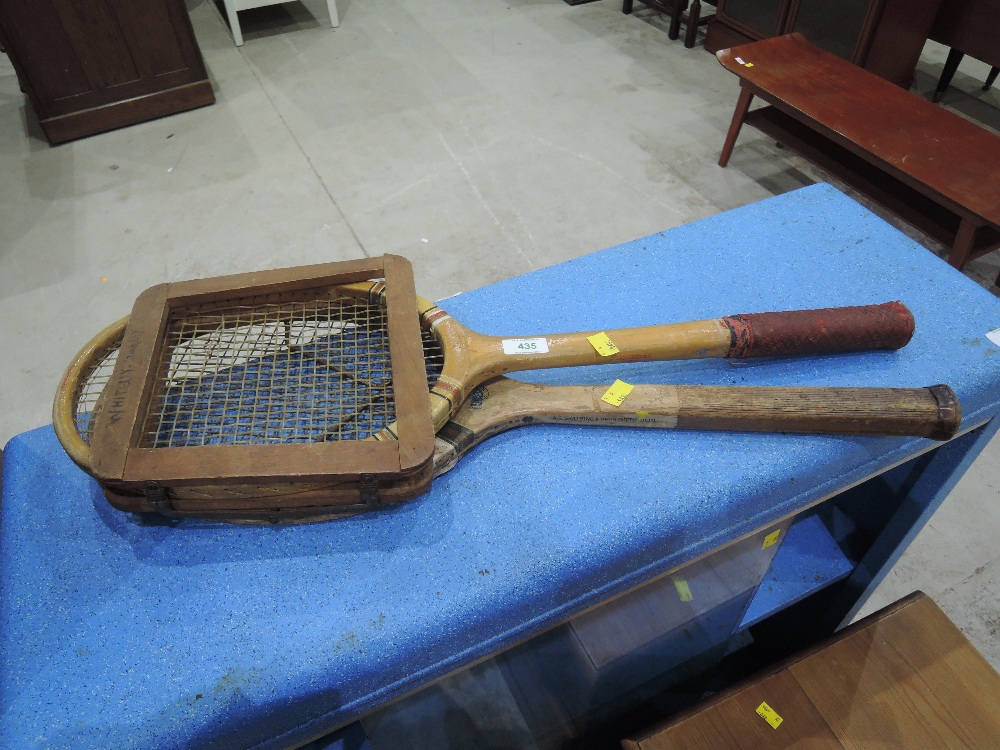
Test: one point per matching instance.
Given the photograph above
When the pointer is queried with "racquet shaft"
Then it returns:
(870, 327)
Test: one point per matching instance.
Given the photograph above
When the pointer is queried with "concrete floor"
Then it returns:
(482, 140)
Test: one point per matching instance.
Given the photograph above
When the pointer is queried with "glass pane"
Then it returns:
(759, 15)
(834, 25)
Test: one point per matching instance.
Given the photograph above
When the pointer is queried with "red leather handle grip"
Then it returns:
(835, 329)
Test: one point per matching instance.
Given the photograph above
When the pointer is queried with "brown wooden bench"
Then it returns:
(927, 165)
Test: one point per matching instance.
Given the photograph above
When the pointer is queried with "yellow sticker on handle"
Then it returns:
(771, 538)
(617, 393)
(683, 589)
(604, 345)
(769, 715)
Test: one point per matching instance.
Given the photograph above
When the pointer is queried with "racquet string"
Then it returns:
(263, 371)
(231, 350)
(433, 357)
(87, 400)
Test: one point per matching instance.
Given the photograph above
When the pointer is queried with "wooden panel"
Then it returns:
(888, 41)
(903, 678)
(409, 373)
(116, 424)
(755, 18)
(152, 28)
(911, 680)
(41, 48)
(202, 291)
(721, 35)
(119, 114)
(891, 47)
(75, 57)
(304, 462)
(734, 724)
(973, 26)
(106, 57)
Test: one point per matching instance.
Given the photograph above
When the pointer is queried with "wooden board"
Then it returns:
(904, 677)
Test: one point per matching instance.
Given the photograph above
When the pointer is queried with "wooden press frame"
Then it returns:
(116, 454)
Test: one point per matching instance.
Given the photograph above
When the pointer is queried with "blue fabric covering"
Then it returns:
(116, 634)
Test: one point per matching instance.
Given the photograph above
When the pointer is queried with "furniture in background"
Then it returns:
(679, 11)
(968, 27)
(882, 36)
(93, 65)
(118, 633)
(925, 164)
(904, 677)
(948, 72)
(233, 7)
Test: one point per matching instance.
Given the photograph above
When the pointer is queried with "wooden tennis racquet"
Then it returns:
(503, 404)
(464, 359)
(287, 392)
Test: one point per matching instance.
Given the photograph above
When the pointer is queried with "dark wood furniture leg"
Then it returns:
(961, 248)
(679, 7)
(950, 66)
(742, 107)
(991, 78)
(693, 17)
(626, 6)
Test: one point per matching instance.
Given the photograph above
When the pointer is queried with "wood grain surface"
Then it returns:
(904, 677)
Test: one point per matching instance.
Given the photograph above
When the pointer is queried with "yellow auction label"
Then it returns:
(683, 589)
(769, 715)
(617, 393)
(771, 538)
(604, 345)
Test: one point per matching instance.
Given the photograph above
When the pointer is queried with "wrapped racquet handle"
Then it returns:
(839, 329)
(825, 331)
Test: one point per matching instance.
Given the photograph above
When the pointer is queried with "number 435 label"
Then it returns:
(525, 346)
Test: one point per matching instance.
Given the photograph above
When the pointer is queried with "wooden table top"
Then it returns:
(905, 677)
(909, 136)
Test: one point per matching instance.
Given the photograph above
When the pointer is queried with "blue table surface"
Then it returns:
(118, 634)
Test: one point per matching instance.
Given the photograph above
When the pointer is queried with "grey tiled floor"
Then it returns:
(482, 140)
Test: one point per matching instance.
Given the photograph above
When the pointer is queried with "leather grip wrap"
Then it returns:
(836, 329)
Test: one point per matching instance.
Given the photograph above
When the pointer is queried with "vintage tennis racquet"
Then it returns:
(467, 358)
(503, 404)
(243, 379)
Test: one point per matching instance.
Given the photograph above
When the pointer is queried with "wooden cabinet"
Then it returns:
(972, 26)
(89, 66)
(883, 36)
